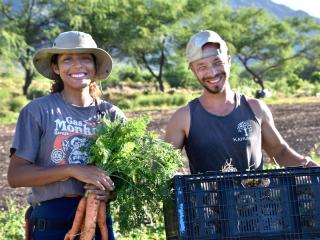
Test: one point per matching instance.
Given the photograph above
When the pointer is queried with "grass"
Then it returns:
(146, 232)
(292, 100)
(12, 226)
(315, 153)
(138, 97)
(12, 218)
(154, 101)
(11, 97)
(12, 221)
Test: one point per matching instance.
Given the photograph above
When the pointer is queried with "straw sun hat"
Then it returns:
(73, 42)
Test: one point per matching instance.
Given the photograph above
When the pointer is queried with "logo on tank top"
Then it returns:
(244, 129)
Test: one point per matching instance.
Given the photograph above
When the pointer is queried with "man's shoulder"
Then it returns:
(253, 101)
(182, 111)
(181, 116)
(258, 106)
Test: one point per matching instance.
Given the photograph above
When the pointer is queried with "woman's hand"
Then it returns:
(93, 175)
(100, 194)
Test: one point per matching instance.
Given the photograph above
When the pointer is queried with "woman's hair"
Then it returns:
(57, 85)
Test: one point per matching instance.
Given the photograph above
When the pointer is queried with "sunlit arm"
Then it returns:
(177, 128)
(22, 173)
(277, 148)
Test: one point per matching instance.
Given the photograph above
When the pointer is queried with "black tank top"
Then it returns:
(214, 140)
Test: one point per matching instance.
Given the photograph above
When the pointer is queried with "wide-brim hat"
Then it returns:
(72, 42)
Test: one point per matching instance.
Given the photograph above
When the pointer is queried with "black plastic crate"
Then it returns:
(265, 204)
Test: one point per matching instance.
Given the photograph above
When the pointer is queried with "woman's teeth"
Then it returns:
(78, 75)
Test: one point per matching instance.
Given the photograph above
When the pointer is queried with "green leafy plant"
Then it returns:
(154, 231)
(140, 164)
(11, 221)
(315, 153)
(17, 103)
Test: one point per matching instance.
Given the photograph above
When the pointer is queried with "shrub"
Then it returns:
(12, 225)
(153, 230)
(126, 73)
(294, 82)
(17, 103)
(134, 73)
(4, 94)
(124, 104)
(315, 153)
(161, 100)
(12, 221)
(315, 77)
(280, 85)
(316, 90)
(246, 86)
(35, 93)
(180, 76)
(152, 101)
(6, 115)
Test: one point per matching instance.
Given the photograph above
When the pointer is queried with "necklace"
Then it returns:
(95, 114)
(64, 99)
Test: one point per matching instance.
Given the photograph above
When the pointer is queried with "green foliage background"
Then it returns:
(147, 40)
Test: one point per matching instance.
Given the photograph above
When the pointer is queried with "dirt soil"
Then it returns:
(299, 124)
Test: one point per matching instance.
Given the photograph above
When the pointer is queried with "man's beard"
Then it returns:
(216, 89)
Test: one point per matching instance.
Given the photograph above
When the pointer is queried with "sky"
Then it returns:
(312, 7)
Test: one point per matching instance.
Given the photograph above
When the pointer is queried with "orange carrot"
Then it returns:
(101, 220)
(91, 217)
(78, 219)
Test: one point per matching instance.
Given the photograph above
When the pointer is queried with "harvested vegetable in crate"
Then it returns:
(140, 164)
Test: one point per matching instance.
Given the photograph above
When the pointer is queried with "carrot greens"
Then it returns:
(140, 164)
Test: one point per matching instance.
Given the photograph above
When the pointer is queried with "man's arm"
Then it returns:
(272, 141)
(178, 127)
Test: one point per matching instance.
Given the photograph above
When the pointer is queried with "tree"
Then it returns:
(309, 35)
(27, 27)
(263, 43)
(145, 33)
(147, 36)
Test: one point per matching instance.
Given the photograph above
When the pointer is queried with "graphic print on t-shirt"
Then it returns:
(244, 128)
(71, 138)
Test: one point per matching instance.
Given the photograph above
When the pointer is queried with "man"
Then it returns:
(222, 126)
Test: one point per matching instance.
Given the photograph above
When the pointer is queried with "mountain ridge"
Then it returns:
(280, 11)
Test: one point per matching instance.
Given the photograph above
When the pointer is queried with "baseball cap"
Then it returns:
(197, 41)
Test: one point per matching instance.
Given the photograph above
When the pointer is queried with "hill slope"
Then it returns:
(278, 10)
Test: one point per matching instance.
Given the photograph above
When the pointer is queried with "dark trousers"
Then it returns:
(52, 219)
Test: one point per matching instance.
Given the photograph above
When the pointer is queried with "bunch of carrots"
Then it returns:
(90, 212)
(140, 164)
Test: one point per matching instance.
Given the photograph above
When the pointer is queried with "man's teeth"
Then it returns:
(215, 81)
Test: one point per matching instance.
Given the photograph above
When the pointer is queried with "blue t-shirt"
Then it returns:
(52, 132)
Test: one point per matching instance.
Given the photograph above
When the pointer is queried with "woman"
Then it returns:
(52, 134)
